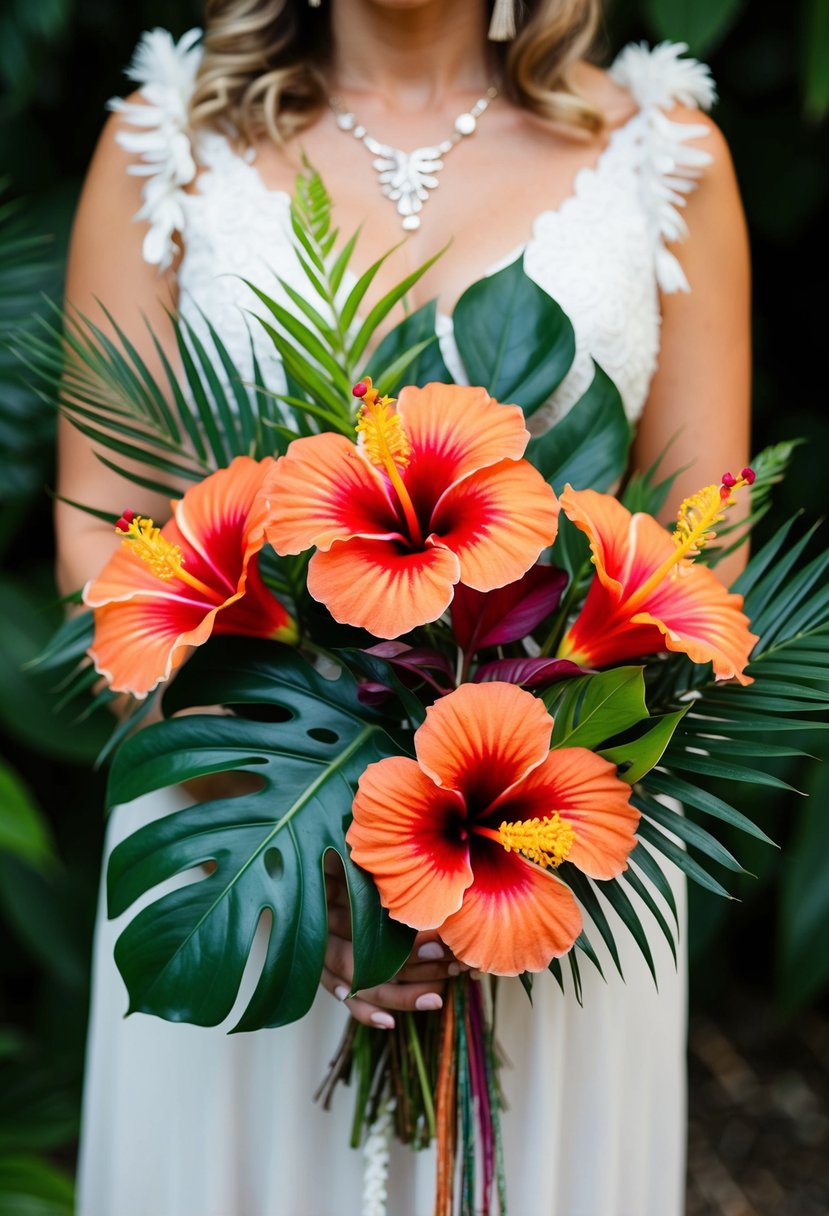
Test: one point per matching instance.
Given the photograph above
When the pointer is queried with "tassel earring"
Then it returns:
(502, 25)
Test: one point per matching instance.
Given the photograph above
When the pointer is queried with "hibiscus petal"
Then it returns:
(257, 613)
(481, 739)
(584, 789)
(406, 833)
(218, 525)
(626, 548)
(321, 491)
(221, 521)
(145, 625)
(139, 643)
(379, 586)
(455, 430)
(498, 521)
(697, 616)
(602, 634)
(515, 917)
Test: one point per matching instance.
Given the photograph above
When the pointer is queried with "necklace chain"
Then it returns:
(408, 177)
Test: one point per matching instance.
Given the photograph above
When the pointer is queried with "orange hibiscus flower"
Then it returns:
(649, 595)
(464, 839)
(435, 493)
(167, 589)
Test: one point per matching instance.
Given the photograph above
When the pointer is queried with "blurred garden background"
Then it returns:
(760, 967)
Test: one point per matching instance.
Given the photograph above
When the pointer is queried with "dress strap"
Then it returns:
(671, 166)
(165, 72)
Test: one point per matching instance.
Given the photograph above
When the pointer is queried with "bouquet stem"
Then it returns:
(435, 1076)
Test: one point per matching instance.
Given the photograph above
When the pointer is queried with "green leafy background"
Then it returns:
(59, 62)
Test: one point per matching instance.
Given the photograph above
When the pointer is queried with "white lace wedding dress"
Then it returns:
(183, 1121)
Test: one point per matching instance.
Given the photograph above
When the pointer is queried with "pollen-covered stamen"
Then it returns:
(544, 841)
(698, 517)
(164, 559)
(386, 445)
(696, 524)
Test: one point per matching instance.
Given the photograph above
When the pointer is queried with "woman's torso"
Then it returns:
(592, 219)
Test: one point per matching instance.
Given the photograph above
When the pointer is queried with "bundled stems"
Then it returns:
(437, 1077)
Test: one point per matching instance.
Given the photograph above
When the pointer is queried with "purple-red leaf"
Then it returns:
(426, 662)
(371, 693)
(529, 673)
(493, 618)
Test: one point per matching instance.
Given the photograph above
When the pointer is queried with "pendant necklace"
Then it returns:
(407, 177)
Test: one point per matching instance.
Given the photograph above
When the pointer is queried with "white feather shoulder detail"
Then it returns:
(671, 166)
(165, 71)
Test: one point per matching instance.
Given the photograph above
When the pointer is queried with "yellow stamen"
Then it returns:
(387, 446)
(544, 841)
(164, 559)
(696, 523)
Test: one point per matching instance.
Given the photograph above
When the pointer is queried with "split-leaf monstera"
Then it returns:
(309, 739)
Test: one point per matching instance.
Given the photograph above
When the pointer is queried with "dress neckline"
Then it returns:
(216, 151)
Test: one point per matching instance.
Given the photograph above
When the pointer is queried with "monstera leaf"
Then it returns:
(262, 853)
(589, 446)
(513, 338)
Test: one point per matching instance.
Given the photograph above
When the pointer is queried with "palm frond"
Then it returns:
(27, 272)
(722, 736)
(324, 348)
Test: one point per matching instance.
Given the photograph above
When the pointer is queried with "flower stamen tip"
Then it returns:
(544, 841)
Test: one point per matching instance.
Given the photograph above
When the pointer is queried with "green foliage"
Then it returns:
(702, 24)
(803, 944)
(268, 847)
(26, 423)
(592, 709)
(31, 1187)
(24, 831)
(32, 711)
(814, 40)
(589, 446)
(513, 338)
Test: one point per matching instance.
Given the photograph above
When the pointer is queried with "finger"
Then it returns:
(339, 957)
(404, 997)
(428, 946)
(364, 1011)
(419, 973)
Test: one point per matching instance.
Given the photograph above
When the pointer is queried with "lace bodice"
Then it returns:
(602, 254)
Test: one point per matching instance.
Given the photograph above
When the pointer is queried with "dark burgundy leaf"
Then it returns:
(369, 693)
(420, 660)
(493, 618)
(529, 673)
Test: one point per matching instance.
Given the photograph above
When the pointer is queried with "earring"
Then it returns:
(502, 25)
(314, 3)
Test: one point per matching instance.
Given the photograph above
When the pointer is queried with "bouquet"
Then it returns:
(455, 664)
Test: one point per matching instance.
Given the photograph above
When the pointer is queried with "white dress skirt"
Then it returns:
(183, 1121)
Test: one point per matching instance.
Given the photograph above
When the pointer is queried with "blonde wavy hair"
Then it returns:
(264, 64)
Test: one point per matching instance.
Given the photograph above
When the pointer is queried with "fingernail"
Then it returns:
(430, 950)
(384, 1020)
(454, 969)
(429, 1000)
(341, 992)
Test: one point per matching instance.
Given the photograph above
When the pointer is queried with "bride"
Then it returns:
(621, 196)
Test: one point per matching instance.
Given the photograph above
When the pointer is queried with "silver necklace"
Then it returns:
(407, 177)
